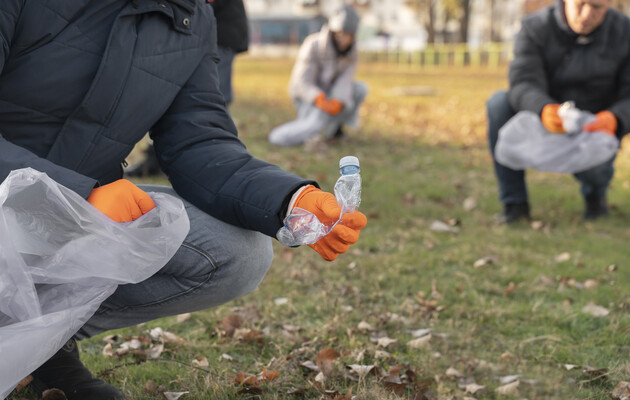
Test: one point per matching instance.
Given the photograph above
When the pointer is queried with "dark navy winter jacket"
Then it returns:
(82, 81)
(552, 64)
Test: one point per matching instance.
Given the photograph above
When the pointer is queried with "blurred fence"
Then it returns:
(459, 55)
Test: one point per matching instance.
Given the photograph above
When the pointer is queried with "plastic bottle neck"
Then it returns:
(349, 170)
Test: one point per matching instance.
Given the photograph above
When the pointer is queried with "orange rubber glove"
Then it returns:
(605, 121)
(330, 106)
(121, 201)
(324, 206)
(551, 120)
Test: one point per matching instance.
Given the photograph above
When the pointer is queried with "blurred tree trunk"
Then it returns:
(461, 10)
(425, 11)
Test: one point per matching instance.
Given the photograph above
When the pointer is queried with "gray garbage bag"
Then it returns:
(525, 143)
(60, 258)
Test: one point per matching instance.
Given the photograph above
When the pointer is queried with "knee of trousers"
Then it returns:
(360, 91)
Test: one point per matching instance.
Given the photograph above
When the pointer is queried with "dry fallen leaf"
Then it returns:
(364, 326)
(230, 324)
(562, 257)
(108, 351)
(245, 379)
(418, 333)
(508, 389)
(453, 372)
(156, 351)
(361, 370)
(201, 362)
(421, 342)
(439, 226)
(509, 289)
(385, 341)
(173, 395)
(182, 317)
(595, 310)
(280, 301)
(621, 391)
(226, 357)
(473, 388)
(268, 375)
(325, 359)
(469, 203)
(484, 261)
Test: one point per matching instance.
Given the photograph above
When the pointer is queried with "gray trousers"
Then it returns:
(217, 262)
(311, 120)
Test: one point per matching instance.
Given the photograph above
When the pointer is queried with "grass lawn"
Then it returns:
(511, 311)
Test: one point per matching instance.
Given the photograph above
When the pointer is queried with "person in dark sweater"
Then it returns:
(573, 50)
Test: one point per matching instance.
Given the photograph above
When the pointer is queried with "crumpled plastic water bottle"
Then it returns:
(348, 186)
(303, 227)
(573, 118)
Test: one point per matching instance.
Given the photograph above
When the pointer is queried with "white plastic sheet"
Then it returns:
(525, 143)
(60, 258)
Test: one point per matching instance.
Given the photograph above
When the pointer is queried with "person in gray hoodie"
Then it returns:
(573, 50)
(322, 83)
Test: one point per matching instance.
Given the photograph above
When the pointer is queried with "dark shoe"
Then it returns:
(596, 207)
(339, 133)
(148, 167)
(65, 371)
(514, 212)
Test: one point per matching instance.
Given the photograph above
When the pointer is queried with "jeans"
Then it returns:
(311, 120)
(224, 67)
(512, 189)
(216, 263)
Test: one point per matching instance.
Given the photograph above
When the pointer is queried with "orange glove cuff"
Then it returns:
(121, 201)
(551, 120)
(605, 121)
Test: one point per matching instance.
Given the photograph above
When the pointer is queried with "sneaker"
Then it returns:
(514, 212)
(64, 371)
(595, 207)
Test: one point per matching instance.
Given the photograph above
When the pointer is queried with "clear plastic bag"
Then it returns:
(60, 258)
(525, 143)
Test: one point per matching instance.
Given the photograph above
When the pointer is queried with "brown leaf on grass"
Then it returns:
(509, 289)
(53, 394)
(229, 324)
(621, 391)
(594, 374)
(24, 383)
(392, 381)
(484, 261)
(347, 396)
(245, 379)
(325, 359)
(268, 375)
(200, 362)
(628, 369)
(249, 336)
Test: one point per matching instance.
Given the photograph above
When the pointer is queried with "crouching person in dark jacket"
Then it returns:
(574, 50)
(80, 85)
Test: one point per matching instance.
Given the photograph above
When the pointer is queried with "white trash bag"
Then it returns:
(60, 258)
(525, 143)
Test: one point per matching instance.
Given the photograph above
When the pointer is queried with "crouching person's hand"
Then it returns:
(324, 206)
(121, 200)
